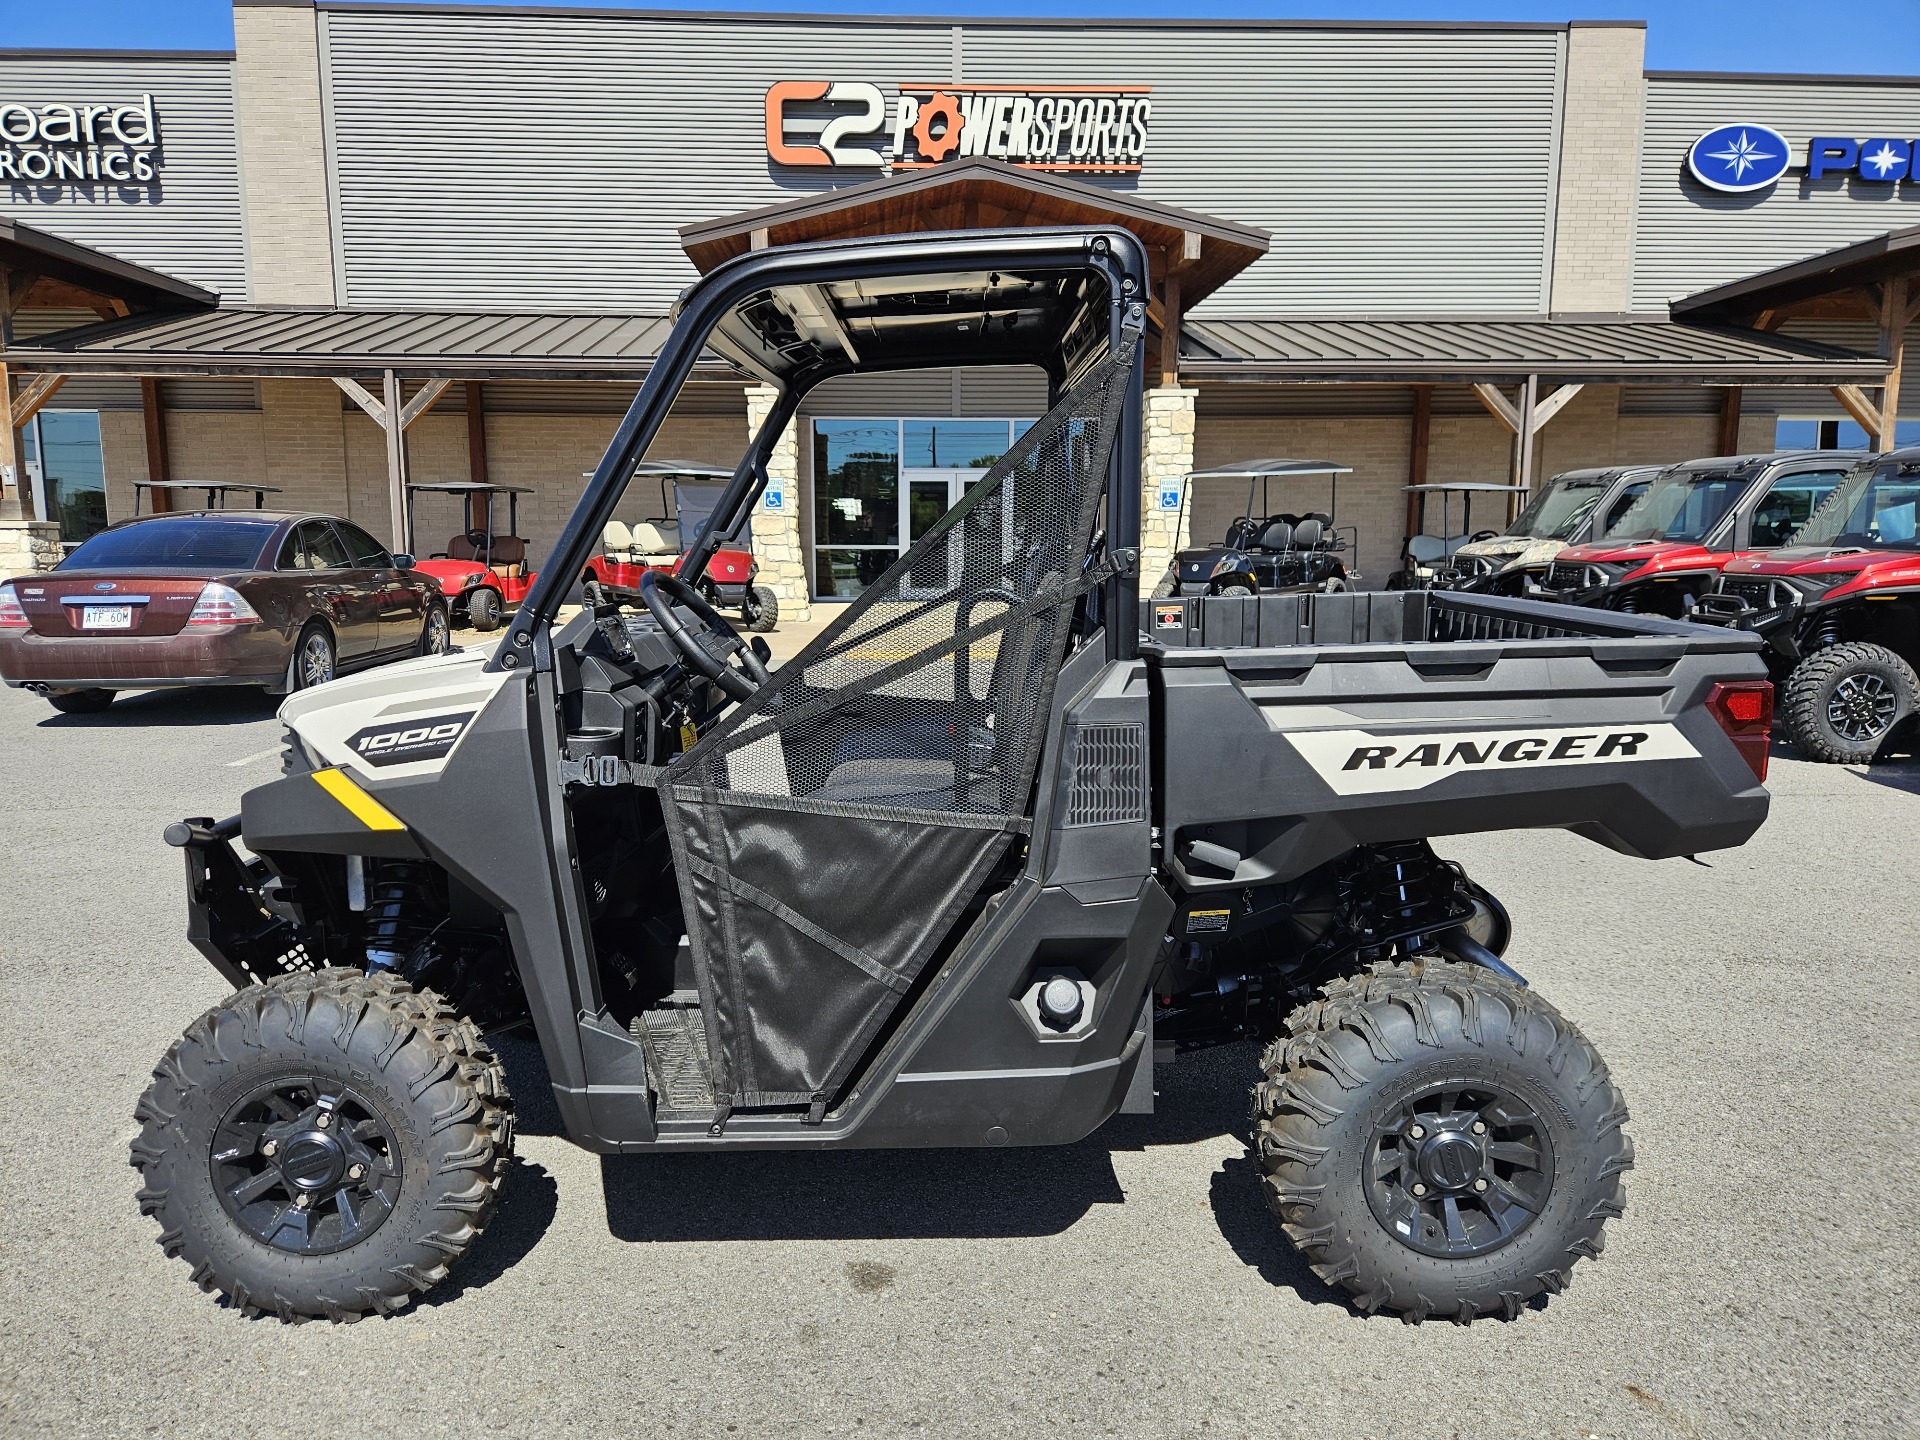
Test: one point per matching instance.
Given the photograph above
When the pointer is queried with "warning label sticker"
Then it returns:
(1169, 617)
(1199, 922)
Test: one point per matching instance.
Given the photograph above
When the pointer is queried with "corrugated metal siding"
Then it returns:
(1403, 170)
(1218, 401)
(1690, 238)
(210, 394)
(548, 159)
(187, 224)
(544, 160)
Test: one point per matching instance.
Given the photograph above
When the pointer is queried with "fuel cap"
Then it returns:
(1060, 1002)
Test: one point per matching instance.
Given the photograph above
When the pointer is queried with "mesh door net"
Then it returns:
(828, 832)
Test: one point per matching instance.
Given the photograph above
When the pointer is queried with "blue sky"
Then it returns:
(1881, 37)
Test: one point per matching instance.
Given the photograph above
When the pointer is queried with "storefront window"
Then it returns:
(73, 480)
(1790, 434)
(878, 485)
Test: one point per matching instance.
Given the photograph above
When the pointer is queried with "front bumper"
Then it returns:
(230, 919)
(232, 655)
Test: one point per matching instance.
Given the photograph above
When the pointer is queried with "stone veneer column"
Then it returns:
(27, 546)
(1168, 459)
(283, 167)
(1599, 167)
(776, 533)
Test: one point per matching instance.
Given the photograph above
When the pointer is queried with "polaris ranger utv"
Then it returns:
(1666, 551)
(952, 875)
(1839, 608)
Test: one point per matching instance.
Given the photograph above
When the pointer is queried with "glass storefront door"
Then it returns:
(879, 484)
(71, 484)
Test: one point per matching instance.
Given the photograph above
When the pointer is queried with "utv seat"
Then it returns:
(651, 547)
(1310, 533)
(1426, 549)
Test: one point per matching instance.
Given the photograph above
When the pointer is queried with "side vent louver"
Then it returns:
(1107, 784)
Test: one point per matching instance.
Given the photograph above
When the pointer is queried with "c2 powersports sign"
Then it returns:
(79, 144)
(1742, 158)
(847, 124)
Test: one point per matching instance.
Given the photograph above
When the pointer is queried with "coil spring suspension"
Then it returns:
(403, 907)
(1398, 891)
(1828, 632)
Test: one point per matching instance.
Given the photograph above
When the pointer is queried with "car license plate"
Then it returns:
(106, 617)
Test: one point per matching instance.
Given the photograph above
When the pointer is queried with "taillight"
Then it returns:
(221, 605)
(1744, 709)
(12, 617)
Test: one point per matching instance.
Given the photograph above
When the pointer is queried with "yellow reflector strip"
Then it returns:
(367, 810)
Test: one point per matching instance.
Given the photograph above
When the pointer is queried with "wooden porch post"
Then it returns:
(1523, 476)
(477, 453)
(396, 459)
(1170, 329)
(1417, 457)
(159, 463)
(1730, 420)
(1893, 346)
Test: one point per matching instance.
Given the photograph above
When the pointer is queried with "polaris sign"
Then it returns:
(1738, 159)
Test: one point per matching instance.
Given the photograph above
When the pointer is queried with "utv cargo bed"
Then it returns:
(1290, 728)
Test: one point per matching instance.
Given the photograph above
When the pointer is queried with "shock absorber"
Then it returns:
(1397, 890)
(403, 907)
(1827, 633)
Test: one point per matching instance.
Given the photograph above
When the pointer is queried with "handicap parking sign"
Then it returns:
(775, 498)
(1169, 499)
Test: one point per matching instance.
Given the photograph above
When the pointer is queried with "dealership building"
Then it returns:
(379, 241)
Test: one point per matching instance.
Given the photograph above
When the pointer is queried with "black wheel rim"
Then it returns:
(305, 1165)
(1862, 707)
(436, 633)
(1459, 1169)
(316, 661)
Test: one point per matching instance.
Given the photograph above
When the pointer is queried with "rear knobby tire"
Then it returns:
(1844, 702)
(421, 1082)
(1365, 1053)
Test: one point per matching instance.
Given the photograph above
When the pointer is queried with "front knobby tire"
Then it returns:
(1377, 1090)
(1844, 702)
(324, 1145)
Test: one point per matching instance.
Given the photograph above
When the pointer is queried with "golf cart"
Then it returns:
(958, 873)
(629, 552)
(1839, 608)
(1424, 558)
(481, 573)
(1265, 552)
(1569, 509)
(215, 491)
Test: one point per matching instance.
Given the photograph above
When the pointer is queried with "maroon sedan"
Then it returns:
(244, 597)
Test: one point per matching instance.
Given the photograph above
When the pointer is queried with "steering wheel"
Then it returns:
(661, 591)
(1479, 535)
(478, 540)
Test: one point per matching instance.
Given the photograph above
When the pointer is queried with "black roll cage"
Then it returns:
(1114, 254)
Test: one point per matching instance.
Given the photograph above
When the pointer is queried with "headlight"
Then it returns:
(1820, 584)
(476, 577)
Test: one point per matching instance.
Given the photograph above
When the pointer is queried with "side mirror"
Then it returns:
(403, 561)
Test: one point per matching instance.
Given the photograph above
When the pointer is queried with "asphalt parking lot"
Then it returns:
(1757, 1009)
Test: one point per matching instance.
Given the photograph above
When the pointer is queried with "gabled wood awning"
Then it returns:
(1875, 280)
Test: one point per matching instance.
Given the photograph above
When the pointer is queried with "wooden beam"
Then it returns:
(1854, 401)
(12, 477)
(1498, 406)
(476, 435)
(1730, 420)
(357, 393)
(422, 402)
(1170, 331)
(1546, 409)
(1190, 244)
(159, 466)
(1417, 455)
(1523, 444)
(35, 393)
(396, 460)
(1893, 346)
